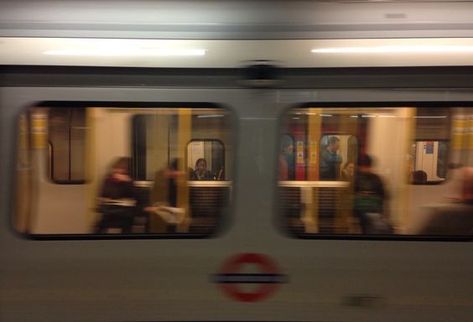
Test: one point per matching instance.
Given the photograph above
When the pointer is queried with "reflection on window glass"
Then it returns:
(137, 160)
(365, 171)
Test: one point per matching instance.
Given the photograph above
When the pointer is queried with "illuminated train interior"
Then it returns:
(236, 161)
(74, 149)
(68, 151)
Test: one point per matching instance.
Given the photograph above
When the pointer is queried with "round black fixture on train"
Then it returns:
(261, 74)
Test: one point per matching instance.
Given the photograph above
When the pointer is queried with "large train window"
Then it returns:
(381, 172)
(136, 161)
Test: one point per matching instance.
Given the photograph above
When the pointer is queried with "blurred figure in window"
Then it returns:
(330, 160)
(117, 199)
(286, 159)
(348, 171)
(201, 172)
(370, 198)
(453, 218)
(164, 190)
(164, 199)
(419, 177)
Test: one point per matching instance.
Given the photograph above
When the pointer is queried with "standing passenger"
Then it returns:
(330, 160)
(286, 159)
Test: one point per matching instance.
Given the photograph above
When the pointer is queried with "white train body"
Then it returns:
(388, 62)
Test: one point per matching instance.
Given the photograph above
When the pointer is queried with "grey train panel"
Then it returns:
(236, 19)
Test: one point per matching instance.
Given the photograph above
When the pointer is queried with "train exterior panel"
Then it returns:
(267, 233)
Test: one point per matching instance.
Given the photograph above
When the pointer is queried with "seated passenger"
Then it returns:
(164, 199)
(370, 199)
(201, 172)
(419, 177)
(454, 218)
(117, 199)
(348, 171)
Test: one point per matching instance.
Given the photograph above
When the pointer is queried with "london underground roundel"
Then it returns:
(266, 277)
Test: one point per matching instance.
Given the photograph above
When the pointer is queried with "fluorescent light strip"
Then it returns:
(394, 49)
(109, 52)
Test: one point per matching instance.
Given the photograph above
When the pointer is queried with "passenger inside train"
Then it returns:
(348, 171)
(165, 211)
(117, 199)
(286, 159)
(453, 217)
(330, 160)
(200, 172)
(370, 198)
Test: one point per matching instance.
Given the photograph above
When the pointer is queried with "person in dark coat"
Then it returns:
(117, 198)
(370, 198)
(330, 160)
(201, 172)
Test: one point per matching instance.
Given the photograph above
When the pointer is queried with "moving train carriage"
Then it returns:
(277, 230)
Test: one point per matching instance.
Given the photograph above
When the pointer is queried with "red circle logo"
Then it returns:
(267, 278)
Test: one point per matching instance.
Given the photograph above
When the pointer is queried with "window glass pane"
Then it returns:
(377, 171)
(136, 160)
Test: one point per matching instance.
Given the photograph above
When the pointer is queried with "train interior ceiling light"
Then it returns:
(118, 47)
(394, 49)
